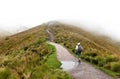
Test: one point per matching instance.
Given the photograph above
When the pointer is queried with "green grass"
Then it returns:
(111, 73)
(4, 74)
(53, 62)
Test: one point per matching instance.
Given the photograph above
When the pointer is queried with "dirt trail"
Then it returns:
(81, 71)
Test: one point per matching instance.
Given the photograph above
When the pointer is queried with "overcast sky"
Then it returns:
(99, 15)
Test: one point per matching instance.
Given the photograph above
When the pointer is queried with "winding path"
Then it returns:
(79, 71)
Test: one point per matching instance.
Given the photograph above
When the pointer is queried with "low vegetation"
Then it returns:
(27, 55)
(97, 49)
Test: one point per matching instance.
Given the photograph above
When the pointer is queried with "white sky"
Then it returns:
(96, 14)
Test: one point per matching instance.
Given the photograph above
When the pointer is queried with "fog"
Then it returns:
(112, 33)
(102, 16)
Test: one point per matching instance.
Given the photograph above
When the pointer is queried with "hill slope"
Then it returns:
(97, 49)
(26, 55)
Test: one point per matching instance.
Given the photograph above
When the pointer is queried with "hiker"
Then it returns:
(78, 49)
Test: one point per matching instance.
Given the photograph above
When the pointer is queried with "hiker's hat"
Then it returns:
(78, 43)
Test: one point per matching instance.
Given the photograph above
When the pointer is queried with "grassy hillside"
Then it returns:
(97, 49)
(27, 56)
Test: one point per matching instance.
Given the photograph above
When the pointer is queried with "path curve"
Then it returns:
(81, 71)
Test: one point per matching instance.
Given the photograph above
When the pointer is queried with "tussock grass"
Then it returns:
(26, 55)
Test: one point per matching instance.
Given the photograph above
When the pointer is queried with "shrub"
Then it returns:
(92, 54)
(94, 61)
(101, 61)
(12, 76)
(115, 66)
(38, 71)
(4, 74)
(73, 50)
(34, 50)
(25, 48)
(87, 58)
(7, 38)
(107, 66)
(111, 58)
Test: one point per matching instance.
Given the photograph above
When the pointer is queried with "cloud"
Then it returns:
(93, 13)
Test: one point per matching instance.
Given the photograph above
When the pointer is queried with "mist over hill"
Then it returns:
(4, 33)
(96, 28)
(7, 31)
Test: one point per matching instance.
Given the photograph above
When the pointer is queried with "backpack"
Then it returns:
(79, 48)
